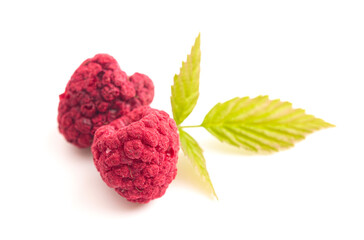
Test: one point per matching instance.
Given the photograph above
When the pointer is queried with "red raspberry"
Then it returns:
(137, 154)
(98, 93)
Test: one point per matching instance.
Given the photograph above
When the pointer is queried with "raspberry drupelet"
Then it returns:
(137, 154)
(98, 93)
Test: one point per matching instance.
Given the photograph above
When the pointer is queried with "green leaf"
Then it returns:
(259, 124)
(186, 84)
(194, 153)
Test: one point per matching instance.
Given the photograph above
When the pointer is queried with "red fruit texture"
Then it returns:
(98, 93)
(137, 154)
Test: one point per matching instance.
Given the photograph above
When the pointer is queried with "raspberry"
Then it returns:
(137, 154)
(98, 93)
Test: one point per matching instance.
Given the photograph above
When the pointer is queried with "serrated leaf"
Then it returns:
(185, 89)
(194, 153)
(259, 124)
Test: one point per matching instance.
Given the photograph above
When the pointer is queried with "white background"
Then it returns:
(310, 53)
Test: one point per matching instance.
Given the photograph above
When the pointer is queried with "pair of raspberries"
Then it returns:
(135, 147)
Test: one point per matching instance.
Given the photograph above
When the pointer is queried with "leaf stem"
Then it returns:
(193, 126)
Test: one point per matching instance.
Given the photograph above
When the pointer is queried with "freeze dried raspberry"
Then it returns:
(137, 154)
(98, 93)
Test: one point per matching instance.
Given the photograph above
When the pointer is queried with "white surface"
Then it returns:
(310, 53)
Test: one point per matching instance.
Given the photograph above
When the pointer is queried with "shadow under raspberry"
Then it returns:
(89, 191)
(96, 195)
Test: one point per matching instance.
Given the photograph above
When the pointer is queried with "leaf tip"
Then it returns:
(329, 125)
(214, 193)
